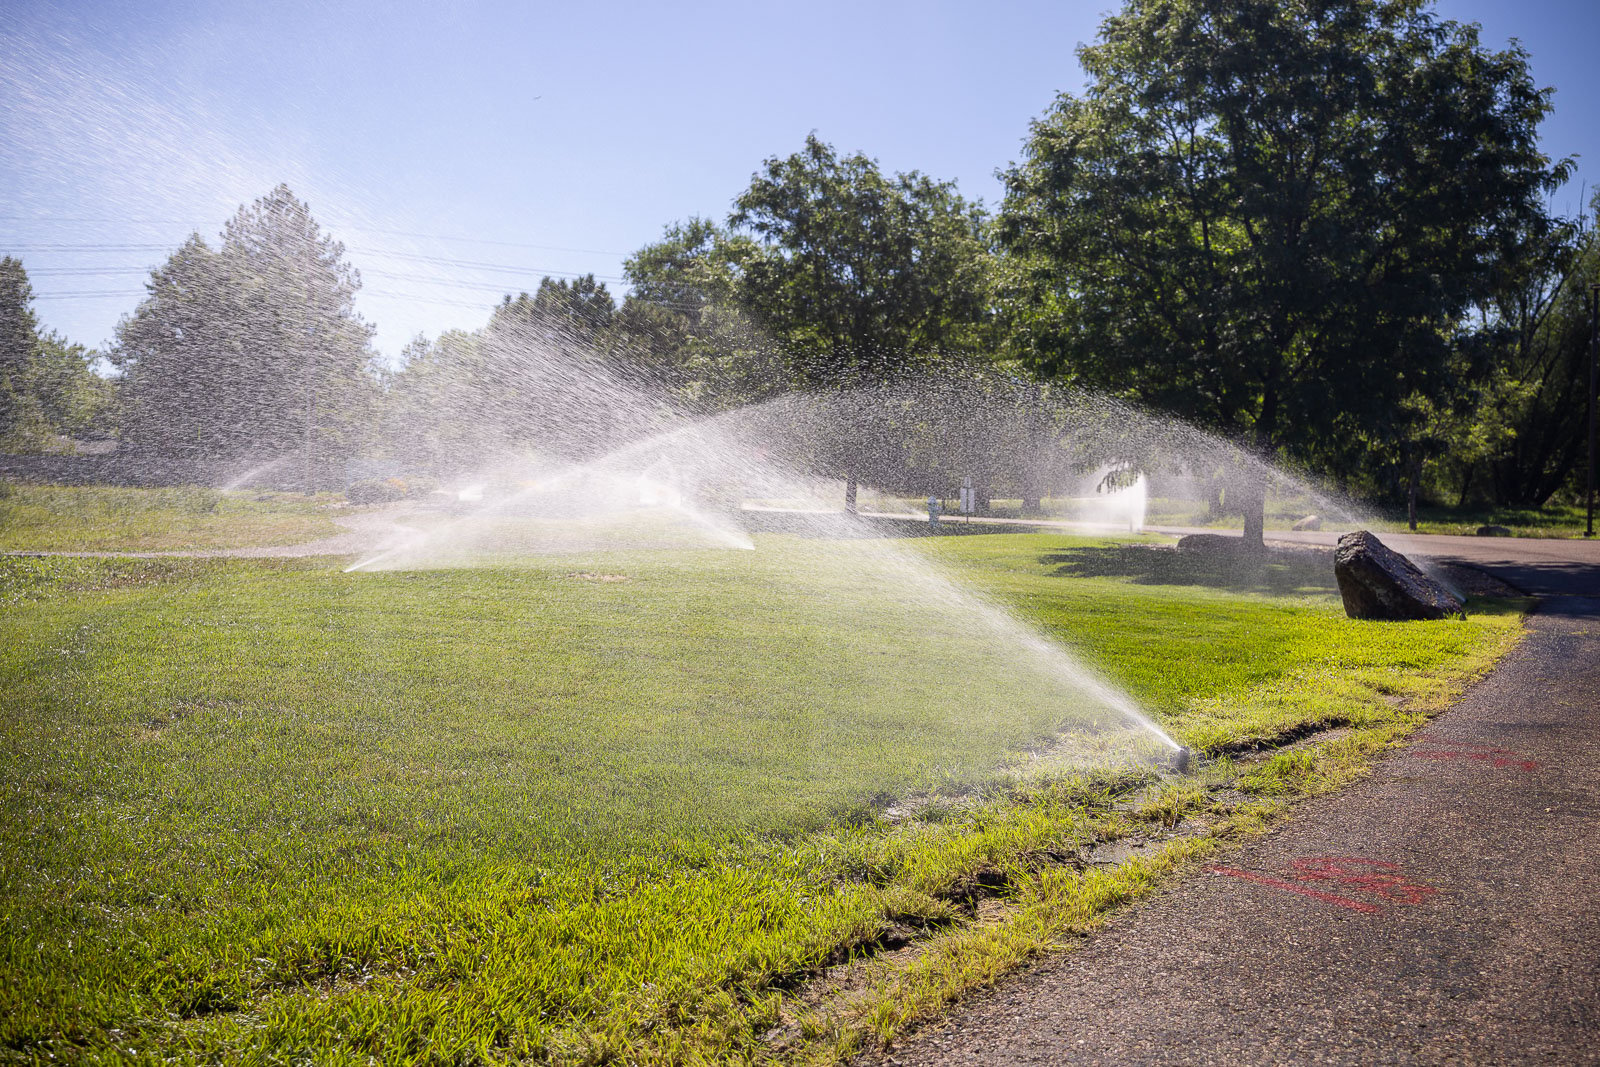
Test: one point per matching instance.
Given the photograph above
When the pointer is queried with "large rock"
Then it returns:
(1379, 583)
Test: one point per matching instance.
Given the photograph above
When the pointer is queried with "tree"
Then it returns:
(440, 414)
(858, 272)
(19, 342)
(1266, 216)
(46, 385)
(254, 349)
(72, 399)
(682, 326)
(1538, 380)
(583, 304)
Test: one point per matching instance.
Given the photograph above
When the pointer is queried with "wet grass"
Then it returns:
(57, 518)
(615, 808)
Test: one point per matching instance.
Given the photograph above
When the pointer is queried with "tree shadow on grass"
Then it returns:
(1279, 571)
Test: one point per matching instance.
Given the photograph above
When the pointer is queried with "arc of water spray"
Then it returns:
(729, 536)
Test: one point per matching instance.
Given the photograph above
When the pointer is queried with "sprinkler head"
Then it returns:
(1182, 760)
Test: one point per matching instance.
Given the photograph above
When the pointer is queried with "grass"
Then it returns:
(1555, 520)
(625, 807)
(58, 518)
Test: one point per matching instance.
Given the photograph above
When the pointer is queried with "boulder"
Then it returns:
(1377, 582)
(1310, 522)
(1493, 531)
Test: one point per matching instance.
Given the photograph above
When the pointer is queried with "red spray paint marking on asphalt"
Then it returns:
(1461, 750)
(1279, 883)
(1377, 877)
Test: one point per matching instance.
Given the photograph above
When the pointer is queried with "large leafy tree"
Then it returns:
(830, 274)
(858, 272)
(1537, 389)
(683, 328)
(1267, 215)
(252, 349)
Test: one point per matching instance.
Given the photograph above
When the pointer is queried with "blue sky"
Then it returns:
(528, 138)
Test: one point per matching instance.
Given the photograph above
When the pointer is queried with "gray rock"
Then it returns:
(1377, 582)
(1493, 531)
(1310, 522)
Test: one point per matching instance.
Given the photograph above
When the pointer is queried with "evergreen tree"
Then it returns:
(19, 344)
(47, 389)
(253, 349)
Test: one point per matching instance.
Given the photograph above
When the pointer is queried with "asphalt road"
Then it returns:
(1446, 910)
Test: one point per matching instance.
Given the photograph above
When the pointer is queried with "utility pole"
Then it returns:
(1594, 378)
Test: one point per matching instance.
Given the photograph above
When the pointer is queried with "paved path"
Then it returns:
(1446, 910)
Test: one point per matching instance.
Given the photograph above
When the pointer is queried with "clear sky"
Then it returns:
(517, 139)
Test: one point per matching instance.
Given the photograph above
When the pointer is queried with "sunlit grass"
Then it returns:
(109, 519)
(579, 808)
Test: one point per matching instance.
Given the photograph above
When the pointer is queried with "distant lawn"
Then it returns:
(58, 518)
(604, 807)
(1557, 520)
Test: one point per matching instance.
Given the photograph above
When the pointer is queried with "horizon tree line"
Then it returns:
(1316, 227)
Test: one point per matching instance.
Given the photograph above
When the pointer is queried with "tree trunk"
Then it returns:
(1032, 498)
(1253, 502)
(1413, 472)
(1466, 485)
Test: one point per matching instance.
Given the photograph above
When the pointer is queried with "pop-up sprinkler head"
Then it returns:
(1182, 760)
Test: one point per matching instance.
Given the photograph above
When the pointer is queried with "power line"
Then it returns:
(413, 257)
(89, 294)
(481, 265)
(380, 294)
(90, 248)
(54, 272)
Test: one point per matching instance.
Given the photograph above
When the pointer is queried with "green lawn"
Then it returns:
(107, 519)
(615, 806)
(1555, 520)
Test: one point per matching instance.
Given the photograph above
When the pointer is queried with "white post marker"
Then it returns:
(968, 499)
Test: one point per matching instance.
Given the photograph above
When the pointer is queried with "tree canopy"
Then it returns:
(254, 349)
(47, 389)
(1267, 215)
(19, 340)
(860, 273)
